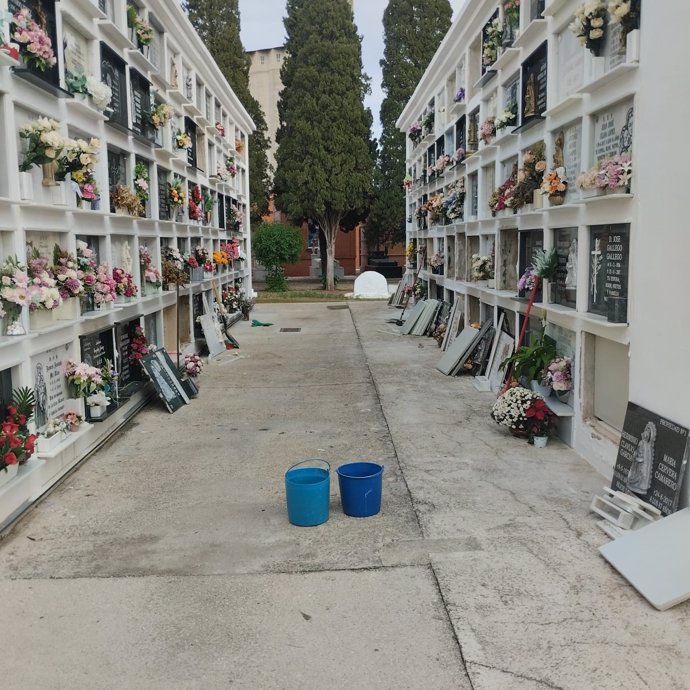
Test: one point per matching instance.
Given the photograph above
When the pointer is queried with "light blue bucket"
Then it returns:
(307, 490)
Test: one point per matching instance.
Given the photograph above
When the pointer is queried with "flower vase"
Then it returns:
(8, 474)
(556, 199)
(86, 302)
(41, 319)
(537, 199)
(68, 310)
(97, 411)
(49, 170)
(562, 396)
(14, 325)
(540, 441)
(26, 186)
(544, 391)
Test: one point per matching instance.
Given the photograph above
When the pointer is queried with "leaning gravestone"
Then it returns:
(371, 285)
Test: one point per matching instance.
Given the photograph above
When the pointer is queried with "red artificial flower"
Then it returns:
(10, 459)
(15, 442)
(22, 419)
(10, 428)
(12, 410)
(30, 443)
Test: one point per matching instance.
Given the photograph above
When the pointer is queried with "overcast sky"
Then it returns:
(262, 27)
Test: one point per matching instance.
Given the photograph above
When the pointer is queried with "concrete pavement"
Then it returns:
(166, 560)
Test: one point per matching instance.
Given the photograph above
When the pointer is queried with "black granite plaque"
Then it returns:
(460, 141)
(141, 102)
(221, 211)
(163, 207)
(165, 381)
(534, 85)
(190, 129)
(128, 370)
(652, 456)
(608, 271)
(97, 347)
(113, 74)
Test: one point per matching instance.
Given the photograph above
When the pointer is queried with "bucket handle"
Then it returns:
(310, 460)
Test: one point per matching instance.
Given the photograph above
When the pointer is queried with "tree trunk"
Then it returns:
(322, 250)
(330, 232)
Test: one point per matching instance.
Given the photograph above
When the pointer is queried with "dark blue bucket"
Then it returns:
(360, 488)
(307, 490)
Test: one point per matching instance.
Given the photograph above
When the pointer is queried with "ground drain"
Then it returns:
(337, 306)
(290, 330)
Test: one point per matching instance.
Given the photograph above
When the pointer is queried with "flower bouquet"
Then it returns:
(104, 287)
(487, 130)
(124, 283)
(493, 37)
(459, 95)
(35, 46)
(101, 94)
(627, 14)
(555, 186)
(14, 293)
(67, 274)
(72, 420)
(511, 10)
(196, 201)
(176, 193)
(83, 378)
(43, 291)
(482, 267)
(507, 117)
(540, 420)
(558, 374)
(88, 188)
(173, 269)
(51, 435)
(44, 142)
(428, 121)
(407, 182)
(415, 133)
(149, 272)
(193, 365)
(86, 264)
(220, 128)
(124, 199)
(511, 410)
(77, 155)
(16, 441)
(615, 173)
(182, 140)
(589, 25)
(139, 345)
(160, 115)
(141, 181)
(454, 203)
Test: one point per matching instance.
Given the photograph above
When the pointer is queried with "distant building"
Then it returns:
(265, 86)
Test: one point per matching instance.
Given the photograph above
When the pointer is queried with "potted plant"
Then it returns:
(510, 410)
(540, 422)
(73, 420)
(16, 441)
(51, 435)
(529, 361)
(558, 375)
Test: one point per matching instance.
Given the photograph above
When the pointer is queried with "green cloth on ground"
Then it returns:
(255, 322)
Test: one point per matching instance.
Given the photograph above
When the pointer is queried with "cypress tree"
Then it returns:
(413, 30)
(218, 24)
(324, 166)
